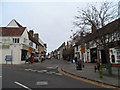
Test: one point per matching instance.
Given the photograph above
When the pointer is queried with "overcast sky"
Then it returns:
(52, 20)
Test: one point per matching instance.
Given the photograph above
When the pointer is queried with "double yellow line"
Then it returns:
(86, 80)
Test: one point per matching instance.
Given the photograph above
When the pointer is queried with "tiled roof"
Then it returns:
(33, 39)
(11, 31)
(108, 29)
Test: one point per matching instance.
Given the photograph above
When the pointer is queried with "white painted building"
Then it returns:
(14, 40)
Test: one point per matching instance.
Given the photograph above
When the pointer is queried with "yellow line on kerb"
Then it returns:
(86, 80)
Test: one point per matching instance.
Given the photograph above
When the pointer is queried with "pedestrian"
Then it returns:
(42, 58)
(31, 59)
(27, 59)
(75, 59)
(97, 66)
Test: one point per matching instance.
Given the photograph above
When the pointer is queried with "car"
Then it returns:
(36, 59)
(49, 57)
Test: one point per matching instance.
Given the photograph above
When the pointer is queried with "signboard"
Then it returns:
(5, 46)
(8, 58)
(82, 49)
(25, 47)
(30, 50)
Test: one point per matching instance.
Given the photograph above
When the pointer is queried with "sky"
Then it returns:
(52, 19)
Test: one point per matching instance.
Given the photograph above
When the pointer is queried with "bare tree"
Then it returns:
(97, 16)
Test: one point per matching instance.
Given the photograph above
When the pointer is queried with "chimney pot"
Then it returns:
(31, 32)
(36, 36)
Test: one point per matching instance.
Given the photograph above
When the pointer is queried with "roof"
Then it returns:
(11, 31)
(18, 23)
(41, 42)
(63, 44)
(15, 22)
(108, 29)
(33, 39)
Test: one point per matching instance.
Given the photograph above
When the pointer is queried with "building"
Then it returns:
(95, 43)
(17, 42)
(59, 51)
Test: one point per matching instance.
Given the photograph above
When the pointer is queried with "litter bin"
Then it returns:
(79, 65)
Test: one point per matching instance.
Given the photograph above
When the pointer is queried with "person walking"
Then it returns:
(42, 58)
(97, 66)
(76, 58)
(31, 59)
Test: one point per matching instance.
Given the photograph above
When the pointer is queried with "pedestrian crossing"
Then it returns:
(43, 71)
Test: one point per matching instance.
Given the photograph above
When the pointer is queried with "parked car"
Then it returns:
(49, 57)
(36, 59)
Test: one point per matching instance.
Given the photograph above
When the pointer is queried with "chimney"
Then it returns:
(31, 32)
(93, 28)
(81, 33)
(67, 44)
(36, 36)
(45, 45)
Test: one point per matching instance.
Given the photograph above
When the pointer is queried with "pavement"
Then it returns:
(89, 73)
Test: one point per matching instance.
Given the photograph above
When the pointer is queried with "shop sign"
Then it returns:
(25, 47)
(5, 46)
(30, 50)
(82, 49)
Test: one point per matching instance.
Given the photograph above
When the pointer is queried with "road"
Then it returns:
(43, 75)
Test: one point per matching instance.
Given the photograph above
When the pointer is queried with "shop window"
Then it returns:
(77, 48)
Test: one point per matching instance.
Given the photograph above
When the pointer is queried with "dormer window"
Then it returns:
(15, 40)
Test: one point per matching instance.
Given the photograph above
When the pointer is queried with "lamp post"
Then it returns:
(100, 63)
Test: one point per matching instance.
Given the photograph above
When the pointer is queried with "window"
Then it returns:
(77, 48)
(15, 40)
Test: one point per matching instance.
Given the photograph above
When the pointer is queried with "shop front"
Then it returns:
(24, 52)
(93, 54)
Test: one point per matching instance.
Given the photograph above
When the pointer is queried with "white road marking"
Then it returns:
(50, 67)
(42, 83)
(28, 69)
(0, 76)
(54, 67)
(22, 85)
(51, 72)
(33, 70)
(40, 71)
(48, 72)
(58, 74)
(43, 70)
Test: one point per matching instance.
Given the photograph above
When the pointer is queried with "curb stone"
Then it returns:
(94, 81)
